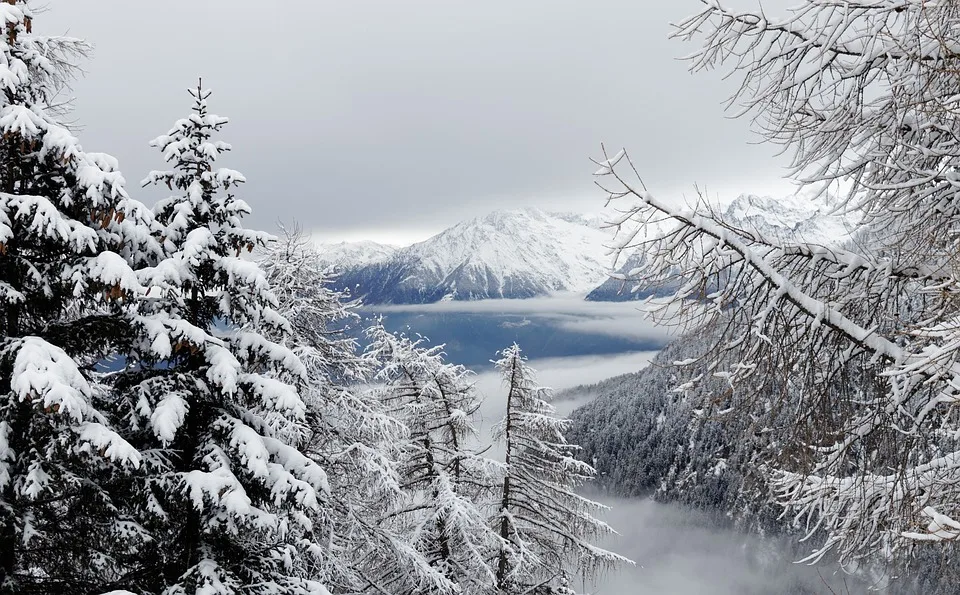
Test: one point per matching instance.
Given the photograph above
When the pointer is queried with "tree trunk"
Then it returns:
(8, 560)
(502, 562)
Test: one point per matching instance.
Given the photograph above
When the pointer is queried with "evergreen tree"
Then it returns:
(444, 478)
(212, 395)
(318, 316)
(543, 524)
(69, 234)
(347, 432)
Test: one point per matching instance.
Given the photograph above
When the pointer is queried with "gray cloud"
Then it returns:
(682, 552)
(376, 114)
(560, 373)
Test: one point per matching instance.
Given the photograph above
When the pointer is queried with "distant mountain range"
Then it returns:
(527, 253)
(506, 254)
(349, 255)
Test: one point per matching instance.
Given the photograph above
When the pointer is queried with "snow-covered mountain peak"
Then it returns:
(508, 253)
(529, 252)
(513, 219)
(352, 254)
(506, 217)
(523, 243)
(786, 209)
(594, 221)
(793, 217)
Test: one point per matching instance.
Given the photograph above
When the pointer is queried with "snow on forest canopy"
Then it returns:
(242, 443)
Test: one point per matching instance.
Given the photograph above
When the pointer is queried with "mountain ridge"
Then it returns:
(518, 253)
(528, 252)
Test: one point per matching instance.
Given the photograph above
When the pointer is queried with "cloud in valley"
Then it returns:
(677, 551)
(567, 311)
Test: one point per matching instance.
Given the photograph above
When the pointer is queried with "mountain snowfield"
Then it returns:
(353, 254)
(795, 218)
(528, 252)
(506, 254)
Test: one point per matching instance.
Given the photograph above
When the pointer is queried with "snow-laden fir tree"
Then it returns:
(69, 234)
(348, 431)
(858, 343)
(212, 395)
(443, 476)
(545, 526)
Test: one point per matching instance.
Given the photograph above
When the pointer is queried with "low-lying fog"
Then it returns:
(550, 327)
(677, 551)
(572, 342)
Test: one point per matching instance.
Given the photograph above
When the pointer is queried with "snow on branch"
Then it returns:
(813, 312)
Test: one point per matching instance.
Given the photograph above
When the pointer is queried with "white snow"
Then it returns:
(527, 252)
(45, 372)
(509, 253)
(795, 217)
(168, 416)
(352, 254)
(555, 252)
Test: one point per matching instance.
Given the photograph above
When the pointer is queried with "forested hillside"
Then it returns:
(242, 444)
(647, 439)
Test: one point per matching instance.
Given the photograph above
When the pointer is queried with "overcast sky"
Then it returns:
(390, 119)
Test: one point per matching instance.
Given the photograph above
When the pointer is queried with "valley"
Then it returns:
(582, 336)
(677, 549)
(559, 326)
(473, 306)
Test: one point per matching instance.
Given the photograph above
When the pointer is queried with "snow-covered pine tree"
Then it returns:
(68, 236)
(347, 430)
(444, 477)
(544, 525)
(213, 397)
(319, 316)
